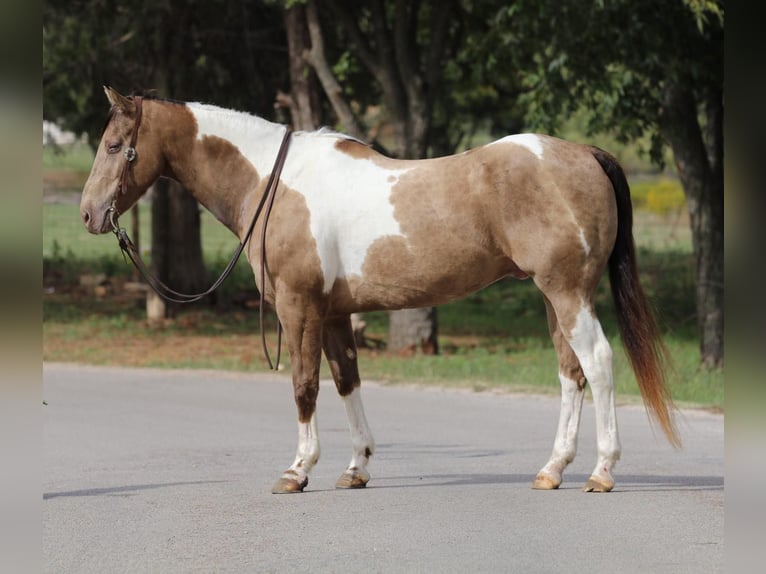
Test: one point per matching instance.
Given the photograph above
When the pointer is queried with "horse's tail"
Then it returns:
(638, 326)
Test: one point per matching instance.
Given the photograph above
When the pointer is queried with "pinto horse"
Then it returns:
(353, 230)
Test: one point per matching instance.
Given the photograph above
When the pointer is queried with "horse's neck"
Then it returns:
(230, 155)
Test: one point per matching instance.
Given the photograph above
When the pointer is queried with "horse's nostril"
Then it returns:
(86, 217)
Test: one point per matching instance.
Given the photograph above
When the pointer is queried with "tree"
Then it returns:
(642, 68)
(178, 49)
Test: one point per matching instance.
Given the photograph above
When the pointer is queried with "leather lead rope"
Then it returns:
(267, 199)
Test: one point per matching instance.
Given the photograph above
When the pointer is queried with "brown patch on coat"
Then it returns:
(355, 149)
(569, 364)
(294, 283)
(340, 349)
(471, 219)
(199, 163)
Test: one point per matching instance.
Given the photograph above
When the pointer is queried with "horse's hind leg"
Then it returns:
(302, 324)
(582, 330)
(572, 391)
(340, 349)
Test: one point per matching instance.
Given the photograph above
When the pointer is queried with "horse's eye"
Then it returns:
(113, 147)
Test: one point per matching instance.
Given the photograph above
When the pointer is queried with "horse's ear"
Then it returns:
(118, 100)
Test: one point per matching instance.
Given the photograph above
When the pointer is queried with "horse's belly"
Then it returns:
(396, 276)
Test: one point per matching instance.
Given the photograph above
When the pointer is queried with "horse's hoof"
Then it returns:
(288, 485)
(597, 484)
(353, 479)
(546, 482)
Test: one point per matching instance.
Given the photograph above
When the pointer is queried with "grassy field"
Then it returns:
(495, 339)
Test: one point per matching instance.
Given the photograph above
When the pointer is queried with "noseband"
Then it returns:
(129, 249)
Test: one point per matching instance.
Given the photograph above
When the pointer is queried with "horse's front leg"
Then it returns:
(340, 350)
(302, 325)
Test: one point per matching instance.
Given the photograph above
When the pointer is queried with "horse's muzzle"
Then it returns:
(96, 222)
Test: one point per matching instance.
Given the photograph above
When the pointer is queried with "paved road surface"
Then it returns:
(171, 471)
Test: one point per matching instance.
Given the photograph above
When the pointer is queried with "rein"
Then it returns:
(129, 249)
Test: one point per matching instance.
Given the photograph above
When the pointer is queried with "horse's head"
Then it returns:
(128, 160)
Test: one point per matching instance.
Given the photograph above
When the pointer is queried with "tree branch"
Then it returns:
(316, 58)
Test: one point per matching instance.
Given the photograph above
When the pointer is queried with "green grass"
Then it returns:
(75, 157)
(64, 234)
(100, 331)
(533, 367)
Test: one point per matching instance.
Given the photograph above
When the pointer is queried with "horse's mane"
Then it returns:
(145, 94)
(151, 94)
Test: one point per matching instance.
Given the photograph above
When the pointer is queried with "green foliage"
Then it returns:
(345, 66)
(612, 58)
(230, 53)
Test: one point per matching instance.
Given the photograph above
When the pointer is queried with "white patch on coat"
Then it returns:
(531, 142)
(585, 244)
(256, 139)
(349, 199)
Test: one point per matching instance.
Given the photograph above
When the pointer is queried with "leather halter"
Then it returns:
(129, 249)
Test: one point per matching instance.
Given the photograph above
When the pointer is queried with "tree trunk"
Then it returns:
(410, 330)
(176, 244)
(701, 175)
(315, 56)
(304, 101)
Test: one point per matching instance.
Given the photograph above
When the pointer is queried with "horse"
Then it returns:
(353, 230)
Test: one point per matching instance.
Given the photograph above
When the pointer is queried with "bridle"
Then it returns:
(130, 155)
(267, 200)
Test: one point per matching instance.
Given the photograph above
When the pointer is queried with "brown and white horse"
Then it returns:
(352, 230)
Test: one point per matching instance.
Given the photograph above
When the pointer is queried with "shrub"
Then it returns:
(662, 196)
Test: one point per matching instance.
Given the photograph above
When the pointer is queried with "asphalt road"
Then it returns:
(171, 471)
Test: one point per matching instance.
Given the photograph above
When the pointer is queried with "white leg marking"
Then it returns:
(362, 443)
(565, 445)
(308, 451)
(595, 356)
